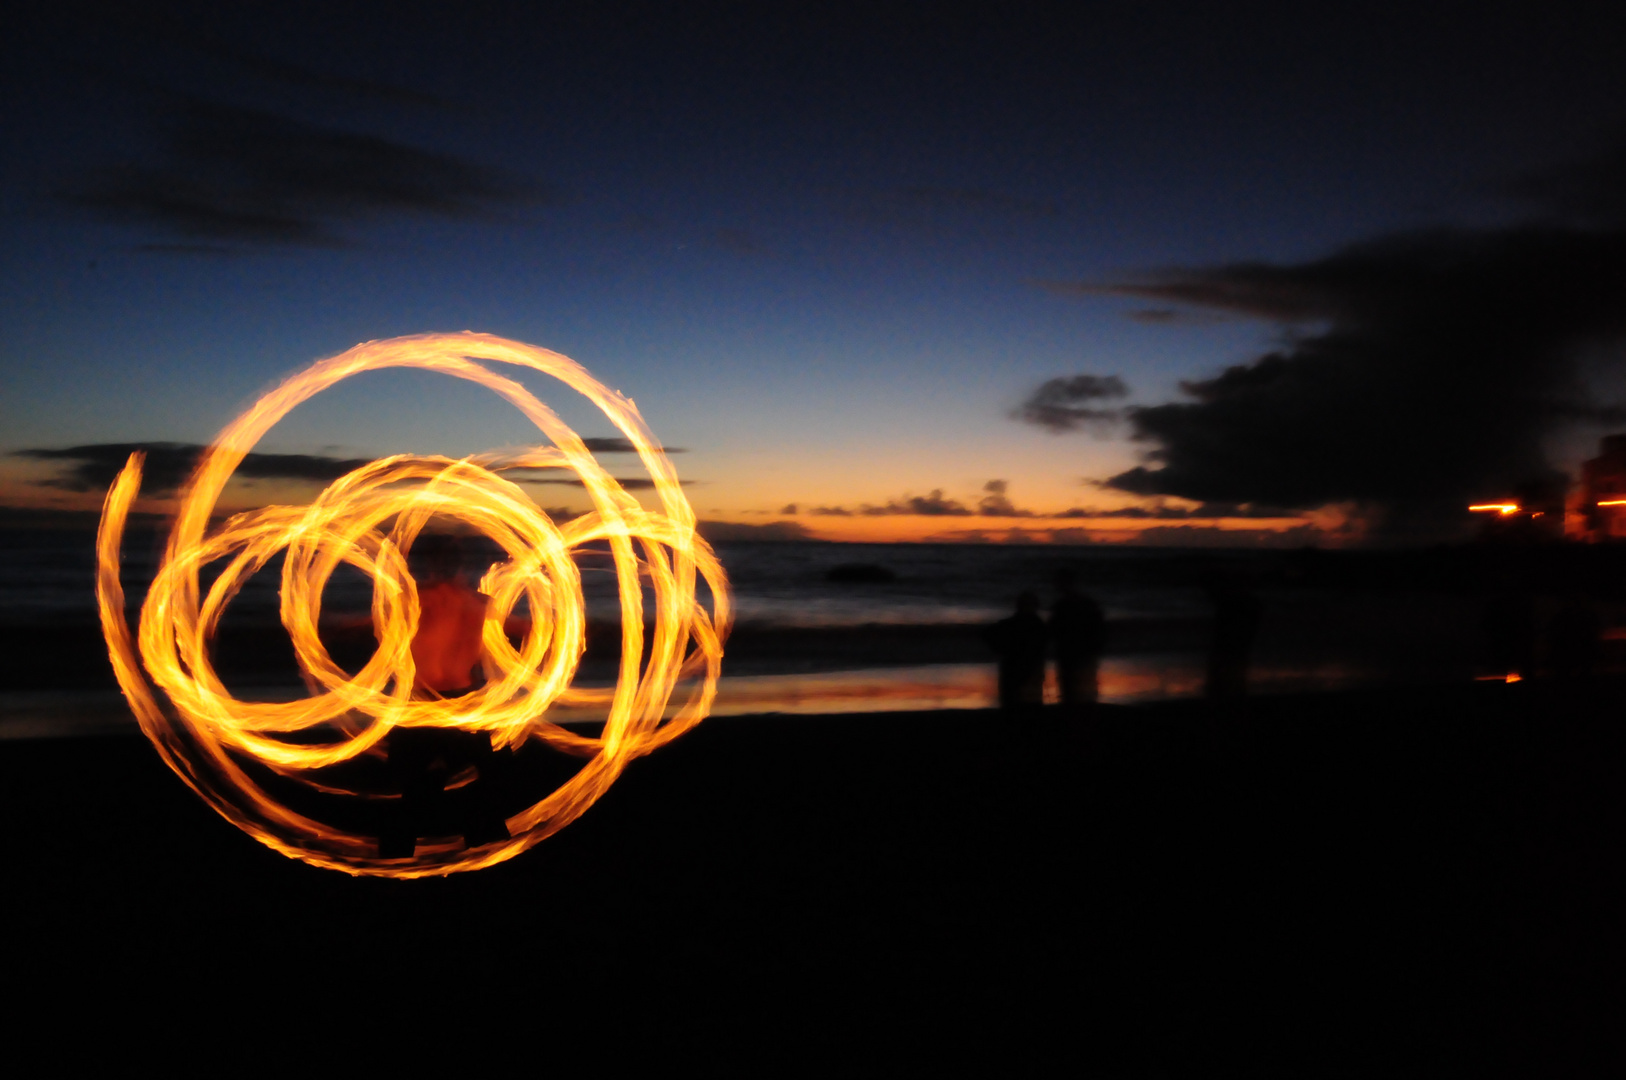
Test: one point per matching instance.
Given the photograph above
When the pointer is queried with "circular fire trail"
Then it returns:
(230, 751)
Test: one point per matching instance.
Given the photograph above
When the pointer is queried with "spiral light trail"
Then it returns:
(222, 747)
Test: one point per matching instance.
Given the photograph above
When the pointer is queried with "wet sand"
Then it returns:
(1415, 881)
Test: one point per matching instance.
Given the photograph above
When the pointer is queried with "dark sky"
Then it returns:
(834, 250)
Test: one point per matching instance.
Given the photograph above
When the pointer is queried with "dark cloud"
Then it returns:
(1163, 512)
(1173, 317)
(631, 483)
(729, 531)
(618, 445)
(1427, 370)
(997, 503)
(168, 464)
(960, 536)
(1150, 316)
(1014, 535)
(1060, 404)
(224, 172)
(788, 508)
(1267, 293)
(933, 505)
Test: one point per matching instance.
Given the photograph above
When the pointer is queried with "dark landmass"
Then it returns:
(1425, 882)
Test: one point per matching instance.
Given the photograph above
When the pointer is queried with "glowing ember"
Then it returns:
(1501, 508)
(369, 520)
(1613, 502)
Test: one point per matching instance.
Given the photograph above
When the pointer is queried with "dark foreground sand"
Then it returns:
(1423, 882)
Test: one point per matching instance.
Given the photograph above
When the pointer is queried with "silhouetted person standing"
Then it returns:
(1236, 624)
(1078, 635)
(1020, 643)
(423, 760)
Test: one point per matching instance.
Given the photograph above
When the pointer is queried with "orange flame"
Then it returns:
(207, 736)
(1501, 508)
(1613, 502)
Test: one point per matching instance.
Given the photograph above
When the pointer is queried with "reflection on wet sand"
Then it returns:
(1125, 680)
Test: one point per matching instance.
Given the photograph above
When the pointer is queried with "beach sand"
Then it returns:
(1424, 880)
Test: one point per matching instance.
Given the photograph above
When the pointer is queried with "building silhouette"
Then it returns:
(1603, 481)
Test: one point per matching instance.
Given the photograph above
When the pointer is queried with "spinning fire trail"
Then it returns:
(226, 749)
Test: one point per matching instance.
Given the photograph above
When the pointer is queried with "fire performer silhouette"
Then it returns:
(207, 735)
(425, 761)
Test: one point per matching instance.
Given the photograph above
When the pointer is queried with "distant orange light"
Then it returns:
(1501, 508)
(369, 519)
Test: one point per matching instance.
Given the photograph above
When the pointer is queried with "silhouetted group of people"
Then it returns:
(1074, 635)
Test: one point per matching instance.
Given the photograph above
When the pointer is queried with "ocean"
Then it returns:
(821, 628)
